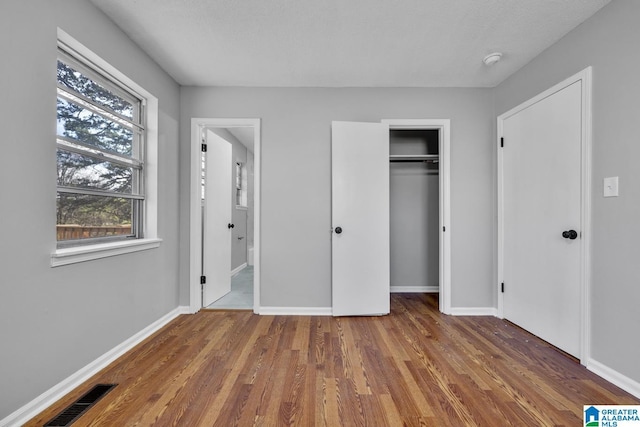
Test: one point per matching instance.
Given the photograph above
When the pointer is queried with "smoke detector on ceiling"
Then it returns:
(492, 58)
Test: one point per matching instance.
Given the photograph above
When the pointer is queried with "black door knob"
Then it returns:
(571, 234)
(338, 230)
(230, 225)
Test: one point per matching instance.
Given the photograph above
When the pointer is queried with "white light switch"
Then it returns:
(611, 187)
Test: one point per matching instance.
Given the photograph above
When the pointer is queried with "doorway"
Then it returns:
(360, 214)
(425, 141)
(243, 225)
(227, 237)
(414, 210)
(543, 214)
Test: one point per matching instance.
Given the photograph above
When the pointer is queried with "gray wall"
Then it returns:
(239, 217)
(296, 215)
(54, 321)
(609, 43)
(414, 211)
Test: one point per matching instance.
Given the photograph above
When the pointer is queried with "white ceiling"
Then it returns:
(338, 43)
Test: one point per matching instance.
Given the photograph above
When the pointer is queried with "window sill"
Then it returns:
(90, 252)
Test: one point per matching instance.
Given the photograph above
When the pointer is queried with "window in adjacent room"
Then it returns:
(241, 185)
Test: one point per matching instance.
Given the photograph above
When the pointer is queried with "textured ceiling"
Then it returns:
(338, 43)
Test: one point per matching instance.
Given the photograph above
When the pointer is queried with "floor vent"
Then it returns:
(80, 406)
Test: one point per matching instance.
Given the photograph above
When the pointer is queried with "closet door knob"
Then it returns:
(230, 225)
(571, 234)
(338, 230)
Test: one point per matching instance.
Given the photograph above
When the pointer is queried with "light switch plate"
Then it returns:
(611, 186)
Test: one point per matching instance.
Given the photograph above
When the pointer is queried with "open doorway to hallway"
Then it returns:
(227, 212)
(225, 261)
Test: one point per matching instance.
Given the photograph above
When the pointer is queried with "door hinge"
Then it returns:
(203, 280)
(501, 142)
(444, 228)
(502, 287)
(204, 148)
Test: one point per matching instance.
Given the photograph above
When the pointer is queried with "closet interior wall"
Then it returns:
(414, 211)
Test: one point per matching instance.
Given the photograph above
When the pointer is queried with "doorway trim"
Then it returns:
(195, 223)
(584, 77)
(444, 195)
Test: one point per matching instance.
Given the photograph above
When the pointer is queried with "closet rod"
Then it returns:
(413, 157)
(425, 172)
(413, 161)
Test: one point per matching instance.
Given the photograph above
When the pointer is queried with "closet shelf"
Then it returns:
(414, 158)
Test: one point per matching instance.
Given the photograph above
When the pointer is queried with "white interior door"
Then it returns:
(541, 201)
(216, 263)
(360, 218)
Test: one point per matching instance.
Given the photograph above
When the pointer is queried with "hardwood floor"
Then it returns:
(413, 367)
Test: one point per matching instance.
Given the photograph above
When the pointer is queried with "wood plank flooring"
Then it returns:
(415, 367)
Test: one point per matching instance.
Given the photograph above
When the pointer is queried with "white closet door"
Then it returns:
(217, 219)
(360, 218)
(542, 224)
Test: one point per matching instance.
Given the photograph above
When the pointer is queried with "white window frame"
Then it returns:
(71, 255)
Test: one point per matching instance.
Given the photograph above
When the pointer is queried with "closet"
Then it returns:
(414, 188)
(390, 213)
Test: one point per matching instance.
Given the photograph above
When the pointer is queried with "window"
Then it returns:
(106, 155)
(100, 157)
(241, 185)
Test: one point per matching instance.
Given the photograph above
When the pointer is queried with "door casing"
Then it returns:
(195, 216)
(584, 77)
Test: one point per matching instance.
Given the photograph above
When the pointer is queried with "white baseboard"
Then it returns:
(238, 269)
(474, 311)
(64, 387)
(614, 377)
(296, 311)
(410, 289)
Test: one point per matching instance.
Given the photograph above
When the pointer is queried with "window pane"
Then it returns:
(75, 170)
(100, 154)
(83, 125)
(83, 217)
(83, 85)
